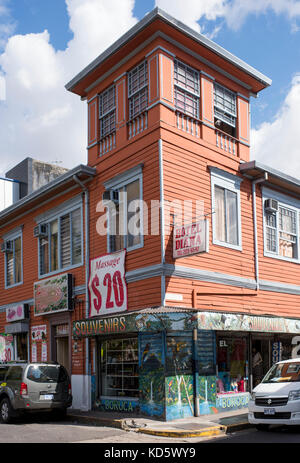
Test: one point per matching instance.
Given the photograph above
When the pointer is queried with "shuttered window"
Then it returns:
(62, 248)
(13, 262)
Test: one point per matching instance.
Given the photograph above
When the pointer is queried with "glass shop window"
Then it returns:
(232, 363)
(179, 355)
(119, 368)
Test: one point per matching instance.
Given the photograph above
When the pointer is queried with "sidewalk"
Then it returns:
(206, 425)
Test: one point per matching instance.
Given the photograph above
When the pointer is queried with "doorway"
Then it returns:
(62, 352)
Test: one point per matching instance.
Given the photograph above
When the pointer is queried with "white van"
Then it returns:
(276, 400)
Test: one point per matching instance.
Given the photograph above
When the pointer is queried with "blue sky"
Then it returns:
(43, 44)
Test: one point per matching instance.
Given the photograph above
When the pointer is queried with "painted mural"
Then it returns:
(179, 396)
(151, 374)
(207, 395)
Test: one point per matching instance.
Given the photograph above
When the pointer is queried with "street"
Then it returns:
(276, 435)
(42, 429)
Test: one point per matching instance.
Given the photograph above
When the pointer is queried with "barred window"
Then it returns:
(225, 105)
(186, 89)
(107, 111)
(138, 90)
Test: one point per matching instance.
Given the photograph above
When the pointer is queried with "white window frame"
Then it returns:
(50, 219)
(111, 111)
(288, 203)
(181, 88)
(136, 93)
(232, 183)
(118, 183)
(12, 237)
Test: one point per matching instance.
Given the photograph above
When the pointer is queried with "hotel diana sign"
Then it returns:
(190, 239)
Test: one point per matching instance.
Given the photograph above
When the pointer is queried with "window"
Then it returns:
(119, 368)
(186, 89)
(282, 231)
(125, 212)
(13, 261)
(61, 247)
(107, 112)
(226, 209)
(225, 109)
(138, 90)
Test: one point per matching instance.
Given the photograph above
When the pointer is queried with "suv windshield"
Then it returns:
(283, 373)
(47, 373)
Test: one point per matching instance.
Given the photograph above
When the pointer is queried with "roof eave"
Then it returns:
(80, 170)
(157, 13)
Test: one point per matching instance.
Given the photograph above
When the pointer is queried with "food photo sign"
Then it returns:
(53, 295)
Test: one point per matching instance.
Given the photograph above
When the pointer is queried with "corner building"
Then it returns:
(164, 320)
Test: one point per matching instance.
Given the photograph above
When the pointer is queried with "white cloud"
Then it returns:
(191, 11)
(42, 119)
(276, 143)
(233, 11)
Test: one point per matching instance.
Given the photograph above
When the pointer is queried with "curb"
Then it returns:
(121, 424)
(205, 432)
(115, 423)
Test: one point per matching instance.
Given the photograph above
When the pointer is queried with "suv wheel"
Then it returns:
(5, 411)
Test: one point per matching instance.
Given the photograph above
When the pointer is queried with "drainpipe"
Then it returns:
(87, 273)
(254, 183)
(162, 221)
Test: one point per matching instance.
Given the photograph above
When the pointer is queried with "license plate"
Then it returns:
(269, 411)
(46, 397)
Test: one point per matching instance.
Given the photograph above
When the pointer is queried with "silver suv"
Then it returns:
(32, 387)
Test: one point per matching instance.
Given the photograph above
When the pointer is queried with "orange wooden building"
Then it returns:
(154, 271)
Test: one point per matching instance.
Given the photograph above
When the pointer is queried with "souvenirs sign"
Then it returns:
(53, 295)
(190, 239)
(107, 285)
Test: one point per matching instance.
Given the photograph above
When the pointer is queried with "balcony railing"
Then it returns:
(138, 125)
(188, 124)
(107, 143)
(226, 142)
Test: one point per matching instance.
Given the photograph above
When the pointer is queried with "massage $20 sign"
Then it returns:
(107, 284)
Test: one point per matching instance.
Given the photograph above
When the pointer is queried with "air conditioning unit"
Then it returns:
(40, 230)
(7, 246)
(271, 205)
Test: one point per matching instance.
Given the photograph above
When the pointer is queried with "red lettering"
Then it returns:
(107, 282)
(118, 288)
(98, 300)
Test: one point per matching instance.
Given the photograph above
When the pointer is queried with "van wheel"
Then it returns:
(262, 427)
(6, 412)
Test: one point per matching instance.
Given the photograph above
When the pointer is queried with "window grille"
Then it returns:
(107, 111)
(186, 89)
(225, 105)
(138, 90)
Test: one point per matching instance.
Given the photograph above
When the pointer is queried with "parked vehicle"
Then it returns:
(276, 400)
(32, 387)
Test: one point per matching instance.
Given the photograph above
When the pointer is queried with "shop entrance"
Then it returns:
(261, 361)
(61, 345)
(62, 351)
